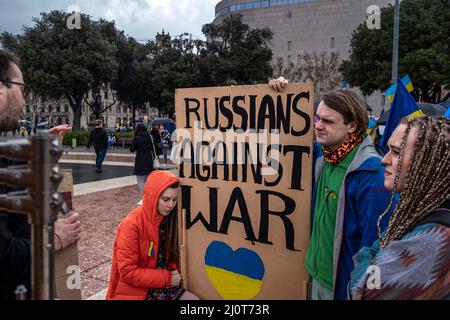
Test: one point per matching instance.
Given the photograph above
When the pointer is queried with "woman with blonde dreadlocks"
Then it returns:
(411, 259)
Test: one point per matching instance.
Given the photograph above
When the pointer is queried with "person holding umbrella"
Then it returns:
(156, 136)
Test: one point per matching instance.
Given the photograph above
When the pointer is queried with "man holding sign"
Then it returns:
(349, 193)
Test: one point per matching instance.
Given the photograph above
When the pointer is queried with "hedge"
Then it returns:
(81, 136)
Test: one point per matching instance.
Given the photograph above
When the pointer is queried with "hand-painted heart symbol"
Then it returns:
(236, 275)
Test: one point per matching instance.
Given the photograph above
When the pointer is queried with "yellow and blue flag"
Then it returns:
(151, 249)
(403, 106)
(371, 128)
(390, 93)
(447, 114)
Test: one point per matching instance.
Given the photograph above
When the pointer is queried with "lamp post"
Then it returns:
(395, 42)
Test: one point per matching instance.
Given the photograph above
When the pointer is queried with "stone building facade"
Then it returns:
(301, 26)
(59, 111)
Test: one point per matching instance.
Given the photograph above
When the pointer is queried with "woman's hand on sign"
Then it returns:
(279, 84)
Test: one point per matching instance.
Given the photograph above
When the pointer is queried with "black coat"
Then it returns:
(142, 145)
(99, 138)
(157, 140)
(15, 254)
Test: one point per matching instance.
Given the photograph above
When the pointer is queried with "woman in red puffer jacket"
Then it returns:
(145, 258)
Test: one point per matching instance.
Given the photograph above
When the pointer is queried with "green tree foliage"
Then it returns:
(175, 66)
(424, 50)
(235, 53)
(58, 61)
(135, 72)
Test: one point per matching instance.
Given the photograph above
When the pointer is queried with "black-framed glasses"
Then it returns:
(20, 84)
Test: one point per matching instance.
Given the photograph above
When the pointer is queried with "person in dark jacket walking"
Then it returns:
(99, 138)
(156, 139)
(143, 163)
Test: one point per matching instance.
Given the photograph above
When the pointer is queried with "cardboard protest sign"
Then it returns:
(66, 260)
(244, 156)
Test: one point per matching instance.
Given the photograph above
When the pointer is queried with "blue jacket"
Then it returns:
(362, 199)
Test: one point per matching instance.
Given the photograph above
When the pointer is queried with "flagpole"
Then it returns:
(395, 42)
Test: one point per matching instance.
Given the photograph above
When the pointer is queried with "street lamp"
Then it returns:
(395, 42)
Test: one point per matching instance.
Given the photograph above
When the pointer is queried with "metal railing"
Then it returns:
(39, 177)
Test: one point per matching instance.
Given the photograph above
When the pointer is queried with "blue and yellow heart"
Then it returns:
(236, 275)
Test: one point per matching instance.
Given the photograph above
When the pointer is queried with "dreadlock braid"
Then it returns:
(427, 184)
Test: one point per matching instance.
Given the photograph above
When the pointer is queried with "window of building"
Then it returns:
(299, 60)
(332, 44)
(106, 94)
(66, 108)
(289, 60)
(58, 108)
(257, 5)
(289, 45)
(50, 108)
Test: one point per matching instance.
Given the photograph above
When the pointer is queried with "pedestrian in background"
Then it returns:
(143, 163)
(165, 143)
(99, 138)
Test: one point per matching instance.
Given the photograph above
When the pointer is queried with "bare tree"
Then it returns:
(97, 106)
(320, 69)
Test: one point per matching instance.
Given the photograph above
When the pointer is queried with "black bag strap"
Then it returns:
(153, 145)
(439, 216)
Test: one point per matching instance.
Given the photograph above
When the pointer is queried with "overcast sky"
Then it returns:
(140, 19)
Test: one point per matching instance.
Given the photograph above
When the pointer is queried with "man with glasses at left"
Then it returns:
(11, 91)
(15, 254)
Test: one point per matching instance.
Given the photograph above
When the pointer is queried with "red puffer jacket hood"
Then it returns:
(157, 182)
(133, 268)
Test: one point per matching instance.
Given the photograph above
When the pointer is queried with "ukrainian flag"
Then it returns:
(447, 114)
(390, 93)
(235, 275)
(371, 129)
(403, 106)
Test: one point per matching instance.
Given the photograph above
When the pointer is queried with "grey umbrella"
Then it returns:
(158, 121)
